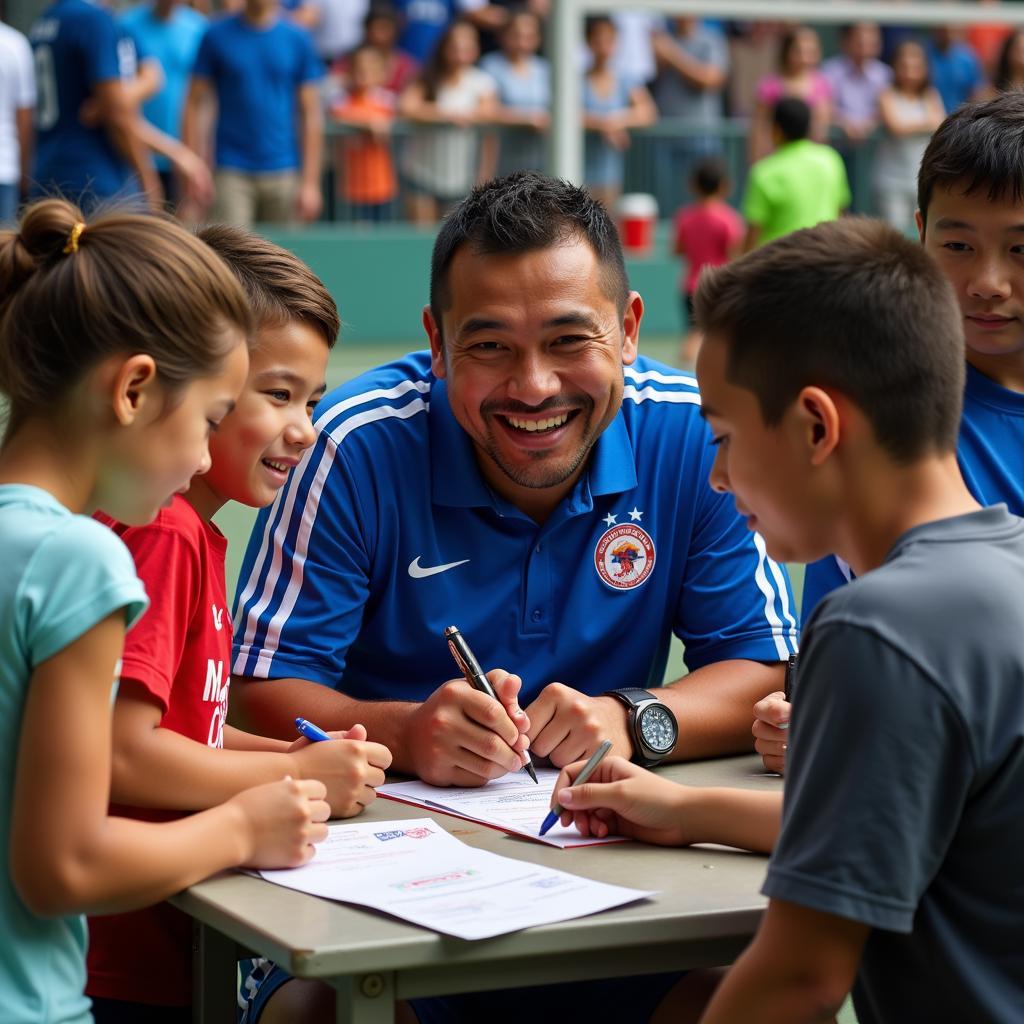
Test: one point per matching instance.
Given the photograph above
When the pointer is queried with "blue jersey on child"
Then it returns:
(174, 42)
(62, 575)
(257, 73)
(76, 47)
(387, 532)
(991, 457)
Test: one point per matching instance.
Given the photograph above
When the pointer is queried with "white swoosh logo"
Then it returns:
(417, 572)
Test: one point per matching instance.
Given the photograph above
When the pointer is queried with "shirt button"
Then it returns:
(537, 615)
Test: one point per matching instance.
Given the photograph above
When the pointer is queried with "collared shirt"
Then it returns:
(387, 532)
(855, 90)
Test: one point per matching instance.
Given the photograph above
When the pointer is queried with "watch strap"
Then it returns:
(631, 696)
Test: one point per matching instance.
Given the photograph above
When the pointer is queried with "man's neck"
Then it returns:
(884, 500)
(1006, 370)
(259, 15)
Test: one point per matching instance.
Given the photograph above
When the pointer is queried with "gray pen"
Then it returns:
(470, 668)
(585, 772)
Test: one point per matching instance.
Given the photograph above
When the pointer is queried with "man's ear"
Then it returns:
(631, 328)
(919, 221)
(433, 330)
(135, 390)
(820, 423)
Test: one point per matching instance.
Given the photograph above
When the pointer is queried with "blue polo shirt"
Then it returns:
(990, 452)
(257, 73)
(386, 533)
(77, 46)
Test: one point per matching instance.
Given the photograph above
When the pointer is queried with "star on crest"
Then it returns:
(610, 520)
(636, 515)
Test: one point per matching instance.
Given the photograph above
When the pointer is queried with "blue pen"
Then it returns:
(312, 732)
(588, 769)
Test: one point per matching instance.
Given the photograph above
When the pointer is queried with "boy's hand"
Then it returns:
(350, 769)
(623, 799)
(771, 722)
(282, 822)
(461, 737)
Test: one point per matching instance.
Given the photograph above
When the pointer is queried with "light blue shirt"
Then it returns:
(386, 533)
(174, 42)
(62, 575)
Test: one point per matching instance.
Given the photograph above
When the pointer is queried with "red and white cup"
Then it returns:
(638, 215)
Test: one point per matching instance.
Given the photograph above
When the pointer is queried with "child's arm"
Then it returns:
(641, 111)
(68, 856)
(624, 799)
(155, 767)
(799, 968)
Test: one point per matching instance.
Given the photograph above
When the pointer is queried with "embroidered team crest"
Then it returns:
(624, 556)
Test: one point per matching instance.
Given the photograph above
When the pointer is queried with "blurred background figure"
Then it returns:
(693, 64)
(856, 78)
(799, 76)
(448, 102)
(264, 76)
(523, 80)
(708, 233)
(611, 107)
(366, 172)
(800, 184)
(169, 32)
(338, 27)
(425, 21)
(1009, 73)
(954, 68)
(88, 141)
(911, 109)
(17, 104)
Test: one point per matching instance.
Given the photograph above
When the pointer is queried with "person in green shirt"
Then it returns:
(799, 185)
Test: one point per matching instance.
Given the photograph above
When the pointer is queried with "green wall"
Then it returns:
(380, 278)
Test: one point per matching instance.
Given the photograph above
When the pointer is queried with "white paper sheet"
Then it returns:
(415, 870)
(513, 803)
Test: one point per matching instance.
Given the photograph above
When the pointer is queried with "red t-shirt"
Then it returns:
(180, 651)
(706, 232)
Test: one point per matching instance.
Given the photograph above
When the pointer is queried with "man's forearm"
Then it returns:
(269, 707)
(312, 133)
(714, 706)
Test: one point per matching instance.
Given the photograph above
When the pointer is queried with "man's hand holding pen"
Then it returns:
(462, 737)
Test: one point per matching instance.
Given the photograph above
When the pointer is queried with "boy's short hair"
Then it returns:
(851, 305)
(792, 116)
(979, 146)
(708, 175)
(279, 286)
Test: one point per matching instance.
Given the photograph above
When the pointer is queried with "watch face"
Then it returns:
(658, 728)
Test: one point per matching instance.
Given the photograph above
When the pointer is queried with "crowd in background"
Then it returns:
(392, 111)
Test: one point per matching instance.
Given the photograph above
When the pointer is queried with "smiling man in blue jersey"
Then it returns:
(971, 219)
(533, 481)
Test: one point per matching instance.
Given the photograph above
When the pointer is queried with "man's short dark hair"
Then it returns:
(851, 305)
(792, 116)
(979, 146)
(708, 175)
(525, 212)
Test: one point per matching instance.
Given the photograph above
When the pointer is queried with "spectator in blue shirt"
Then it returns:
(169, 32)
(955, 69)
(88, 146)
(264, 75)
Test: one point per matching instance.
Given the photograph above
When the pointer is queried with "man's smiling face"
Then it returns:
(532, 352)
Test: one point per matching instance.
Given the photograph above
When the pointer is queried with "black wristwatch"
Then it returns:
(653, 728)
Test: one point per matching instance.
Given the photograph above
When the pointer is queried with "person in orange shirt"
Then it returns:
(366, 170)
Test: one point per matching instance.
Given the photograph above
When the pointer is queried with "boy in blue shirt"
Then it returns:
(261, 70)
(970, 217)
(831, 375)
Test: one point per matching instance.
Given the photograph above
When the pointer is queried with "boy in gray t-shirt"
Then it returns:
(831, 376)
